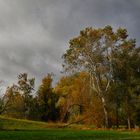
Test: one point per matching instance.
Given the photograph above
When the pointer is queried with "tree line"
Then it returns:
(100, 86)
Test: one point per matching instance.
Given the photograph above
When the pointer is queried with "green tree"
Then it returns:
(26, 87)
(47, 100)
(4, 102)
(127, 77)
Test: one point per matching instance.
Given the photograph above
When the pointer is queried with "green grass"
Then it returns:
(20, 124)
(14, 129)
(15, 124)
(68, 135)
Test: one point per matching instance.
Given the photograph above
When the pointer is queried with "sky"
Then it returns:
(34, 34)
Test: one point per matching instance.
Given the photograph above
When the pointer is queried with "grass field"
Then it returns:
(68, 135)
(12, 129)
(19, 124)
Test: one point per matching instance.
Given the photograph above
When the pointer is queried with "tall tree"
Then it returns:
(127, 76)
(47, 100)
(25, 87)
(93, 51)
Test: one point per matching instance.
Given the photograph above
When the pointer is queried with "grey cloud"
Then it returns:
(35, 33)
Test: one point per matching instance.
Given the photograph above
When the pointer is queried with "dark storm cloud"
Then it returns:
(35, 33)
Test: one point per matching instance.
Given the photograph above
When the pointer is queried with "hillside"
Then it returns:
(20, 124)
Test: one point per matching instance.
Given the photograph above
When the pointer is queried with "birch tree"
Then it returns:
(93, 51)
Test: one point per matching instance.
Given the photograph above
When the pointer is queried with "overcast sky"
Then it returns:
(35, 33)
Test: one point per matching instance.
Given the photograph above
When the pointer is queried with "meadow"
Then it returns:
(68, 135)
(14, 129)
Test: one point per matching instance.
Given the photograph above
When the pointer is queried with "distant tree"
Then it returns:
(17, 100)
(26, 86)
(14, 103)
(47, 100)
(4, 103)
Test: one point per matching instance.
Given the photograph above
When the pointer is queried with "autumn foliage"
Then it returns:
(100, 85)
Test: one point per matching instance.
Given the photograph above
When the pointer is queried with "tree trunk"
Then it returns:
(129, 123)
(117, 118)
(117, 113)
(105, 112)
